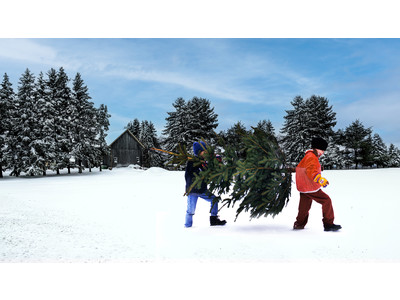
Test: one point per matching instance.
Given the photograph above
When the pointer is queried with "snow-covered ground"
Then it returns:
(133, 220)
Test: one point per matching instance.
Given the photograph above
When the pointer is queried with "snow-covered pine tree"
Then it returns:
(134, 127)
(321, 117)
(81, 97)
(148, 137)
(310, 118)
(156, 159)
(47, 117)
(333, 157)
(202, 120)
(367, 158)
(87, 128)
(177, 126)
(355, 136)
(43, 144)
(7, 99)
(343, 158)
(93, 149)
(103, 125)
(56, 123)
(294, 141)
(379, 151)
(22, 156)
(52, 125)
(190, 122)
(394, 156)
(66, 112)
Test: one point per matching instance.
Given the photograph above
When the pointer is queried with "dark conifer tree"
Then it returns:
(103, 125)
(7, 100)
(394, 156)
(355, 140)
(189, 122)
(266, 126)
(42, 144)
(134, 127)
(320, 117)
(80, 130)
(177, 126)
(54, 122)
(294, 141)
(202, 120)
(66, 112)
(233, 136)
(48, 115)
(21, 132)
(89, 128)
(379, 151)
(333, 158)
(310, 118)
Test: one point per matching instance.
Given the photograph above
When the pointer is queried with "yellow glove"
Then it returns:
(321, 180)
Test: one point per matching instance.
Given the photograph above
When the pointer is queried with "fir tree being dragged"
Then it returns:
(253, 174)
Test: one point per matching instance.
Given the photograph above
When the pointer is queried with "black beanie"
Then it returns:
(319, 143)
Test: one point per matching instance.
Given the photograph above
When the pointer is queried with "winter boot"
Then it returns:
(297, 227)
(215, 221)
(332, 227)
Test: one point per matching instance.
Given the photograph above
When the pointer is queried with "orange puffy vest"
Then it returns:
(306, 170)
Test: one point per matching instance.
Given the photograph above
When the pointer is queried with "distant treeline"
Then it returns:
(353, 147)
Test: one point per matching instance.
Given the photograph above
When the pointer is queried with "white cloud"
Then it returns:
(34, 51)
(217, 72)
(197, 83)
(26, 50)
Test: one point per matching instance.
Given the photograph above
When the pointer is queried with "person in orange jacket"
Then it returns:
(309, 182)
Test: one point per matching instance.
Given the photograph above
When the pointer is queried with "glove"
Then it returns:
(321, 180)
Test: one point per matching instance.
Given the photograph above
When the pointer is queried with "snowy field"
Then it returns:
(128, 225)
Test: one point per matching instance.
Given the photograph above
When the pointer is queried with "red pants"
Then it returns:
(305, 205)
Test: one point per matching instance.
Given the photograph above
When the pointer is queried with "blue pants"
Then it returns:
(191, 206)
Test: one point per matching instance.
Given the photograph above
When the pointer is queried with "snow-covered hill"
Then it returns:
(136, 217)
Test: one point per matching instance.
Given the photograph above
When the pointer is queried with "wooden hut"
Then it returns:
(124, 151)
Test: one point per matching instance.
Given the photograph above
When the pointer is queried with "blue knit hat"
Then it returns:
(198, 147)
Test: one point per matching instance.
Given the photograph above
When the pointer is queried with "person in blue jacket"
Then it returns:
(202, 192)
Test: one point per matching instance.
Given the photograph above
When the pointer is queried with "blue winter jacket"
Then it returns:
(190, 172)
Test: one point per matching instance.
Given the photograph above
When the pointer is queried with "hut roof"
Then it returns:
(132, 135)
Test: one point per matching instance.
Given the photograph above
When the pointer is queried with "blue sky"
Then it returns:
(246, 80)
